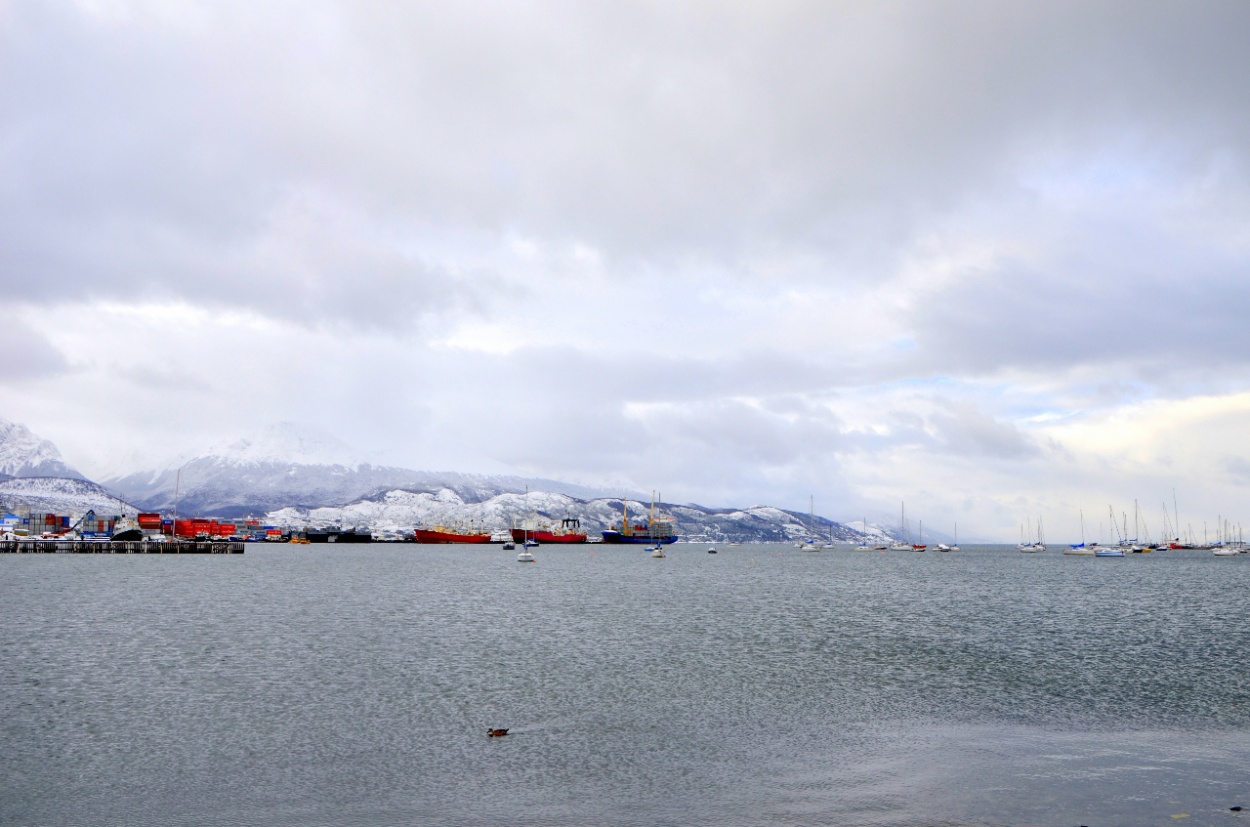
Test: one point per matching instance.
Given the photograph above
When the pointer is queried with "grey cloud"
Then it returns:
(963, 429)
(27, 354)
(1163, 315)
(706, 129)
(358, 169)
(1239, 469)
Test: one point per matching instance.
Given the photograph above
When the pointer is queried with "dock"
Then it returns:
(107, 547)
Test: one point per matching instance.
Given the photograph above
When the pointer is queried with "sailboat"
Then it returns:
(525, 555)
(1081, 548)
(810, 543)
(901, 544)
(863, 541)
(919, 544)
(1033, 546)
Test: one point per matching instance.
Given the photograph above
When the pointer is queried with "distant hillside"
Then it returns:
(290, 465)
(300, 476)
(59, 495)
(404, 509)
(24, 454)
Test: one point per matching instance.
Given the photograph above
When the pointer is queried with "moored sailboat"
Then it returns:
(1033, 546)
(1080, 548)
(901, 543)
(919, 544)
(810, 543)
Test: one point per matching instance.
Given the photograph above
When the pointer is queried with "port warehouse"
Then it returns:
(21, 522)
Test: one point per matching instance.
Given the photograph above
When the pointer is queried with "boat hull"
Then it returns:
(430, 535)
(520, 535)
(617, 538)
(338, 537)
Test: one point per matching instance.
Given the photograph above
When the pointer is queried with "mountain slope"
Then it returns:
(297, 466)
(58, 495)
(403, 509)
(24, 454)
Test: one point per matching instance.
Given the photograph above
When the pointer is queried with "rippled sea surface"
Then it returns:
(324, 685)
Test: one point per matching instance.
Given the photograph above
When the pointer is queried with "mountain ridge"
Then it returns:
(295, 476)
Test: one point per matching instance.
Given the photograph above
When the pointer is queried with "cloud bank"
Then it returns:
(739, 253)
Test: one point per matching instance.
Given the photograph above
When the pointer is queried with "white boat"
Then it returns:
(810, 543)
(525, 556)
(1108, 551)
(903, 543)
(863, 543)
(1080, 548)
(1225, 551)
(658, 551)
(1033, 546)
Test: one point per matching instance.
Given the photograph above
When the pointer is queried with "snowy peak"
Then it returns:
(288, 443)
(25, 454)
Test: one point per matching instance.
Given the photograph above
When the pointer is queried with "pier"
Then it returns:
(107, 547)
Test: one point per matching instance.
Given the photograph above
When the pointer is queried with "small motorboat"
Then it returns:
(509, 546)
(658, 551)
(711, 551)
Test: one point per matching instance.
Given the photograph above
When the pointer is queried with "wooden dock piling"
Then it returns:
(106, 547)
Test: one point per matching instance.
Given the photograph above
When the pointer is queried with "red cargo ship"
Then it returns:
(570, 531)
(449, 535)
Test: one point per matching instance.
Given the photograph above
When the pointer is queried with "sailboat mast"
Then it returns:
(1176, 515)
(173, 534)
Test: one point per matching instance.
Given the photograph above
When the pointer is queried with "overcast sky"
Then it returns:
(988, 258)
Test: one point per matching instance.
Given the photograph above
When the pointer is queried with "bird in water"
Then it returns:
(496, 733)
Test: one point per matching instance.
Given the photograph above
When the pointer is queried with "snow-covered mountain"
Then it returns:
(399, 510)
(300, 476)
(289, 465)
(59, 495)
(25, 454)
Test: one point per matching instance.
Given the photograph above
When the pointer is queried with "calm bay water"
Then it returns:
(324, 685)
